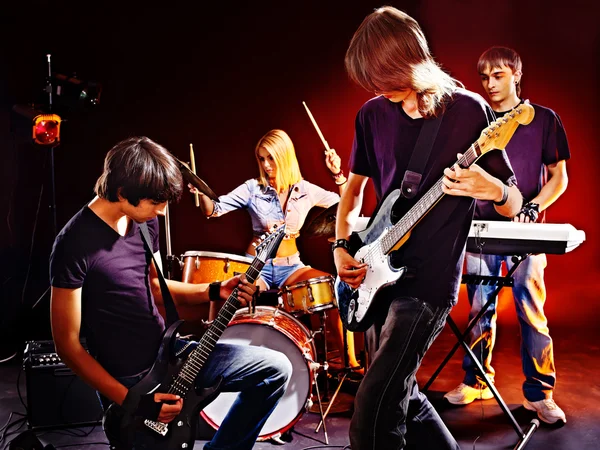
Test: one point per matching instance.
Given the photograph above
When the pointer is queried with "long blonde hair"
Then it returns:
(389, 52)
(280, 147)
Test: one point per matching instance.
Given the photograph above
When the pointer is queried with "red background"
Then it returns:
(221, 76)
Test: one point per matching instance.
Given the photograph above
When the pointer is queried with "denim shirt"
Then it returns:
(265, 209)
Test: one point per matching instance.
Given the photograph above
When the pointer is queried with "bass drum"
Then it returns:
(275, 329)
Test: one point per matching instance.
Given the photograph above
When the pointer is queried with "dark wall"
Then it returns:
(221, 76)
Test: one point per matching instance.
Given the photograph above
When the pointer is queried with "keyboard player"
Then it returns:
(538, 155)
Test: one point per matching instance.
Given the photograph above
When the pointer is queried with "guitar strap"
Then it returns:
(168, 303)
(419, 157)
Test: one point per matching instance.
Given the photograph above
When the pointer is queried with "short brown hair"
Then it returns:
(496, 57)
(138, 168)
(389, 52)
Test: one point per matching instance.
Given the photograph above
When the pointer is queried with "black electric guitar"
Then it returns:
(173, 375)
(374, 244)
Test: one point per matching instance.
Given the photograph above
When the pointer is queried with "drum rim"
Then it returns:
(266, 436)
(244, 311)
(308, 282)
(219, 255)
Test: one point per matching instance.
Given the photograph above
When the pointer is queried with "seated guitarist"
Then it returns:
(389, 55)
(105, 284)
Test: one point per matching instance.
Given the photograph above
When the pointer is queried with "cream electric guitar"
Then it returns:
(374, 244)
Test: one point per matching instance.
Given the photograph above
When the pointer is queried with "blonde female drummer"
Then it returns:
(280, 195)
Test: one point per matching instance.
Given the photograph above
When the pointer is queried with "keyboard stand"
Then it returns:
(500, 282)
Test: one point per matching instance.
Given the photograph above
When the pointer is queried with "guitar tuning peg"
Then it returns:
(254, 244)
(262, 237)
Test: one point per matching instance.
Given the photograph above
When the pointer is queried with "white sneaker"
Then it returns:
(547, 410)
(464, 394)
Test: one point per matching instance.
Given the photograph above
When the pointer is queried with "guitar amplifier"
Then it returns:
(56, 397)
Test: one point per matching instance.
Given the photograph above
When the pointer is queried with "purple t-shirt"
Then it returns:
(531, 149)
(384, 141)
(119, 317)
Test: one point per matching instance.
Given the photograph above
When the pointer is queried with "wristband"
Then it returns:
(344, 243)
(504, 196)
(338, 175)
(531, 210)
(214, 291)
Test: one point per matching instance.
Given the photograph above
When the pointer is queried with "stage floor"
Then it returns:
(480, 425)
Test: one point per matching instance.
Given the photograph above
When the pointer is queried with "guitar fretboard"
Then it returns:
(425, 203)
(196, 360)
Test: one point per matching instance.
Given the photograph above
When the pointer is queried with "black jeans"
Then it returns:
(390, 412)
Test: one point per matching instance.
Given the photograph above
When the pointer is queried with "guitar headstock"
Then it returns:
(499, 133)
(269, 243)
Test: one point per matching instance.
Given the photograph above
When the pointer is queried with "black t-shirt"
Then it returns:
(119, 317)
(384, 141)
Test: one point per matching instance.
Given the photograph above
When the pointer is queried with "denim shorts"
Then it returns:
(277, 270)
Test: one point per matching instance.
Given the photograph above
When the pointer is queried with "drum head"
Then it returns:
(292, 404)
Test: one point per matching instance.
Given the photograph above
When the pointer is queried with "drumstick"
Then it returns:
(317, 128)
(193, 169)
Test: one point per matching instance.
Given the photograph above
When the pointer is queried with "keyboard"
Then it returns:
(515, 238)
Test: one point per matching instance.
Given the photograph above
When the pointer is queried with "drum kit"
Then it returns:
(275, 327)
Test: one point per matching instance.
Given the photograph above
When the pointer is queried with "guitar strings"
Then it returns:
(423, 205)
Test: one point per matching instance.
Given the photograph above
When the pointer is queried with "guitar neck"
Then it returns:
(424, 205)
(196, 360)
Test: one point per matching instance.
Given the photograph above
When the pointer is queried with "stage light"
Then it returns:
(46, 130)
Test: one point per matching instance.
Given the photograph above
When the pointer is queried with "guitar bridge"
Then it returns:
(159, 427)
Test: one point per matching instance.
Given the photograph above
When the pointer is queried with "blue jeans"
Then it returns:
(389, 411)
(529, 293)
(259, 374)
(277, 270)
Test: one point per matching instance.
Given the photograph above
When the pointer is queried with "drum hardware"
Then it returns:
(225, 267)
(314, 368)
(344, 374)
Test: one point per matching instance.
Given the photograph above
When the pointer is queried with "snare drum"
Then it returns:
(206, 267)
(275, 329)
(309, 296)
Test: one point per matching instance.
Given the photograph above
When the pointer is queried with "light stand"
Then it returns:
(46, 133)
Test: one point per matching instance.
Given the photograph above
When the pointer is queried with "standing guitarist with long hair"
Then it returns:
(105, 284)
(388, 55)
